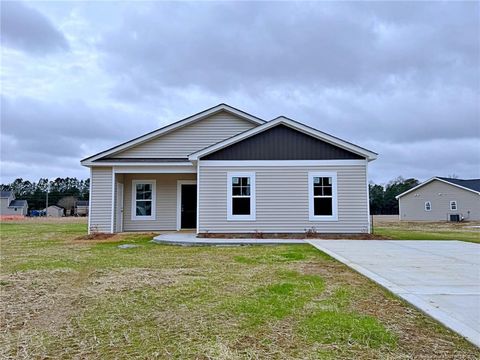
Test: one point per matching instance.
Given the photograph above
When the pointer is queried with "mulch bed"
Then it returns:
(293, 236)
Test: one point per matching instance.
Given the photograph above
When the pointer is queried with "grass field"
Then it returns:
(65, 297)
(389, 226)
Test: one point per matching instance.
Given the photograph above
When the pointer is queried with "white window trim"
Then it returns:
(253, 197)
(456, 205)
(425, 205)
(134, 198)
(311, 212)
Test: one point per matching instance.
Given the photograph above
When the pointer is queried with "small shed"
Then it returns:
(55, 211)
(81, 208)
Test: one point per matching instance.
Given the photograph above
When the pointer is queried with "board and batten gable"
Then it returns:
(100, 216)
(282, 143)
(193, 137)
(439, 193)
(282, 200)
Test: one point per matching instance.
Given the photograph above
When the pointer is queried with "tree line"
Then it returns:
(36, 192)
(382, 198)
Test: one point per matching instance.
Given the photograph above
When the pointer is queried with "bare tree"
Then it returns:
(67, 202)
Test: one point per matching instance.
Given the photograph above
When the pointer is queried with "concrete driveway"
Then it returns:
(441, 278)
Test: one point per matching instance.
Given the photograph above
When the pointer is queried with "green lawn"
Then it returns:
(69, 298)
(428, 231)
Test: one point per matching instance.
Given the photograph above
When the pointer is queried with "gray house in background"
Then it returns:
(81, 208)
(9, 206)
(225, 171)
(441, 199)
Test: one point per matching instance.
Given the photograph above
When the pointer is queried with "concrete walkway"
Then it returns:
(190, 239)
(441, 278)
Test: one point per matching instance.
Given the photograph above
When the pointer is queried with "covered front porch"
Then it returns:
(154, 198)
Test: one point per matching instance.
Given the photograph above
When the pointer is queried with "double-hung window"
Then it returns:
(453, 205)
(143, 199)
(241, 196)
(428, 206)
(322, 191)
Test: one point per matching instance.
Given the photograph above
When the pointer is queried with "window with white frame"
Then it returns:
(428, 206)
(241, 196)
(453, 205)
(322, 191)
(143, 199)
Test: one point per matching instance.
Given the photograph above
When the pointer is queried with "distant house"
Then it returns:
(11, 206)
(81, 208)
(440, 199)
(55, 211)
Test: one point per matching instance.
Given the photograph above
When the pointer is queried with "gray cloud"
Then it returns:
(399, 78)
(36, 133)
(251, 46)
(27, 29)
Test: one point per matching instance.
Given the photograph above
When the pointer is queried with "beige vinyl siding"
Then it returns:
(4, 205)
(166, 202)
(282, 200)
(412, 205)
(184, 141)
(101, 199)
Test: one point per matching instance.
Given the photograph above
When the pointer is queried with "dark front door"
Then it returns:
(189, 207)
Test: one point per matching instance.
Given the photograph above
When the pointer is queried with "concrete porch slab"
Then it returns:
(190, 239)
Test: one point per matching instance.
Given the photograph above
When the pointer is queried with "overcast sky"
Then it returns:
(401, 79)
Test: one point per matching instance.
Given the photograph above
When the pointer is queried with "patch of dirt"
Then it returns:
(128, 279)
(96, 236)
(12, 217)
(107, 237)
(44, 219)
(333, 272)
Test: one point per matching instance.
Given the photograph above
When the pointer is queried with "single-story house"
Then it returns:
(55, 211)
(9, 206)
(441, 199)
(226, 171)
(81, 208)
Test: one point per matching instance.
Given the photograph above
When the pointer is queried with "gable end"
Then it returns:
(281, 142)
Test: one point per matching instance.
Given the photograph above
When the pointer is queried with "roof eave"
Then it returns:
(369, 155)
(172, 127)
(429, 181)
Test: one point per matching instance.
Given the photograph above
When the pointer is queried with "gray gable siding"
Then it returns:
(181, 142)
(282, 143)
(472, 184)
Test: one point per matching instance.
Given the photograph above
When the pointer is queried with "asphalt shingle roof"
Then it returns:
(472, 184)
(5, 194)
(18, 203)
